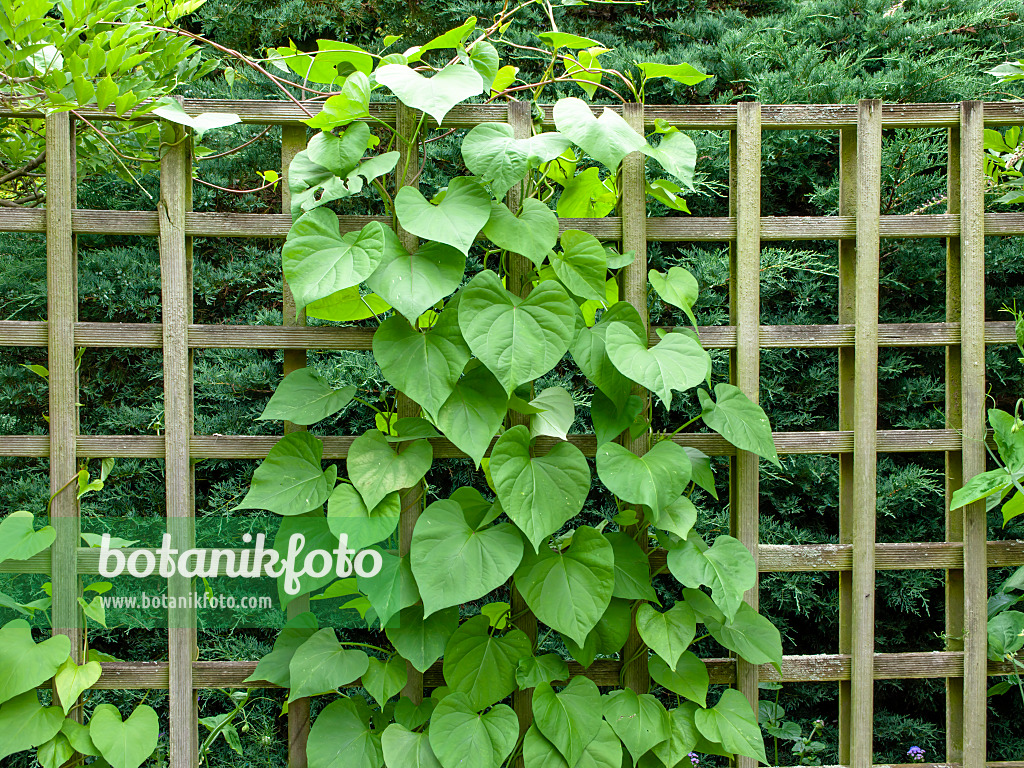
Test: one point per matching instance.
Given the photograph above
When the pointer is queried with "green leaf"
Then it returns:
(679, 517)
(1005, 634)
(422, 641)
(376, 468)
(632, 569)
(681, 73)
(347, 514)
(611, 421)
(569, 719)
(78, 736)
(733, 724)
(668, 193)
(640, 721)
(607, 637)
(739, 420)
(491, 152)
(55, 752)
(981, 486)
(26, 724)
(519, 340)
(341, 738)
(504, 78)
(727, 567)
(474, 412)
(538, 494)
(425, 366)
(384, 679)
(319, 260)
(290, 481)
(603, 751)
(556, 413)
(316, 533)
(322, 665)
(668, 634)
(689, 678)
(24, 664)
(581, 265)
(683, 736)
(677, 362)
(482, 665)
(565, 40)
(677, 154)
(678, 288)
(460, 737)
(405, 749)
(569, 591)
(591, 354)
(586, 196)
(414, 282)
(749, 634)
(455, 221)
(654, 480)
(317, 175)
(352, 103)
(435, 95)
(1009, 434)
(124, 744)
(304, 397)
(71, 681)
(347, 306)
(455, 563)
(533, 233)
(453, 38)
(19, 540)
(703, 477)
(607, 139)
(534, 670)
(392, 589)
(274, 667)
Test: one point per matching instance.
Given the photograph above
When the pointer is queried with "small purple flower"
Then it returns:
(916, 754)
(694, 759)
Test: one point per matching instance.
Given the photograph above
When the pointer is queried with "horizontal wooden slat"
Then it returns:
(25, 333)
(716, 117)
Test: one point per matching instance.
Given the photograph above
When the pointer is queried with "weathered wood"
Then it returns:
(865, 435)
(745, 363)
(176, 288)
(972, 390)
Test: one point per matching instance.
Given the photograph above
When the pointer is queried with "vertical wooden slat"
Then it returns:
(293, 141)
(954, 464)
(869, 165)
(745, 314)
(518, 281)
(406, 121)
(61, 313)
(972, 360)
(633, 209)
(846, 315)
(176, 281)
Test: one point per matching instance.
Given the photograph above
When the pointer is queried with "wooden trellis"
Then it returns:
(964, 555)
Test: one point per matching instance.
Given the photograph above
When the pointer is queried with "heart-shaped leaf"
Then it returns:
(739, 420)
(482, 665)
(20, 541)
(749, 634)
(25, 723)
(534, 670)
(733, 724)
(71, 680)
(455, 563)
(581, 265)
(351, 103)
(556, 413)
(274, 667)
(55, 752)
(668, 634)
(607, 139)
(632, 569)
(677, 362)
(603, 751)
(655, 479)
(640, 721)
(538, 494)
(414, 282)
(677, 154)
(290, 481)
(347, 514)
(421, 641)
(376, 468)
(570, 718)
(24, 664)
(589, 350)
(392, 589)
(727, 567)
(607, 637)
(686, 74)
(533, 233)
(341, 737)
(460, 737)
(569, 591)
(407, 749)
(319, 260)
(689, 678)
(611, 421)
(519, 340)
(425, 366)
(434, 95)
(491, 152)
(587, 196)
(474, 412)
(304, 397)
(322, 665)
(683, 736)
(678, 288)
(124, 744)
(679, 517)
(456, 220)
